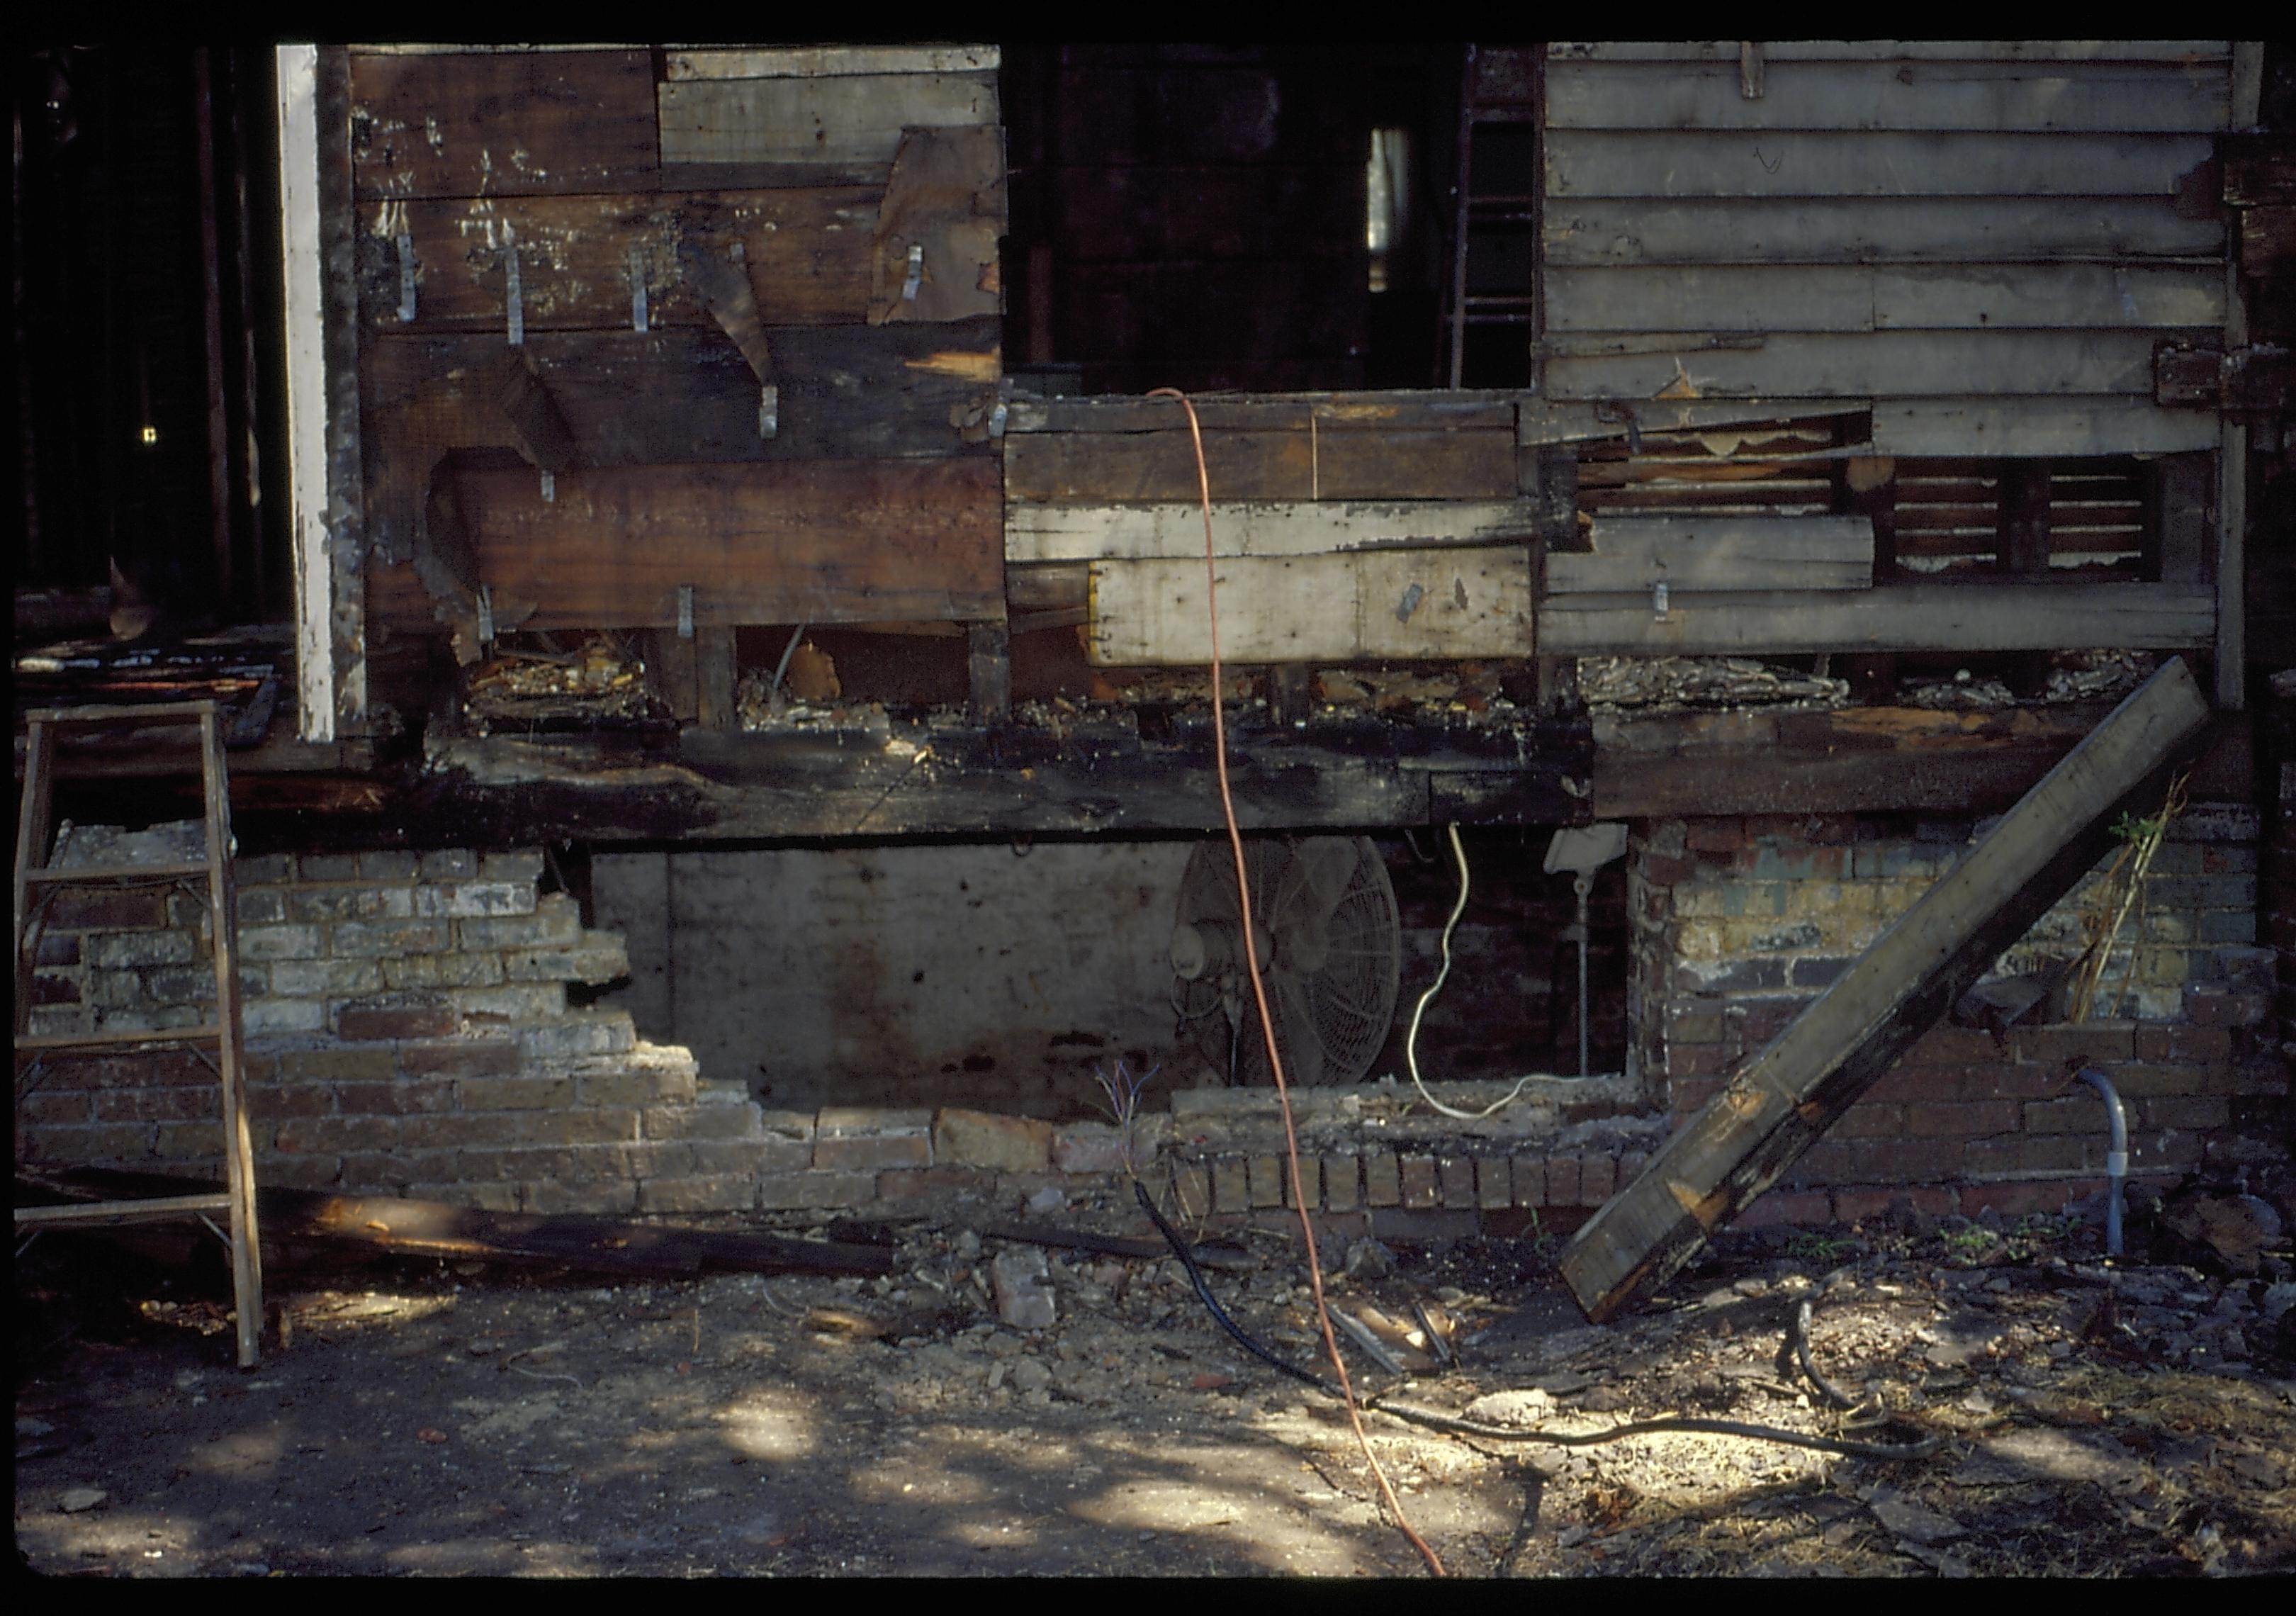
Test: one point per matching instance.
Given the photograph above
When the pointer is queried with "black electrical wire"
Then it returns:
(1800, 1331)
(1456, 1426)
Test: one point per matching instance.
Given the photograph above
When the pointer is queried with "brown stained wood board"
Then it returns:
(684, 395)
(1152, 468)
(804, 541)
(1781, 1101)
(502, 124)
(934, 256)
(1874, 758)
(581, 258)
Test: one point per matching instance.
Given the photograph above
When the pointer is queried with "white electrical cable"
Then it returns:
(1410, 1038)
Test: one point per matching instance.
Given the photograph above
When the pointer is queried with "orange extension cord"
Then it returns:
(1259, 996)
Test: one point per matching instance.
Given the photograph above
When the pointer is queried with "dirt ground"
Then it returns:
(434, 1421)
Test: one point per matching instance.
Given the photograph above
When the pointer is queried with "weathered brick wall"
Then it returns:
(1740, 923)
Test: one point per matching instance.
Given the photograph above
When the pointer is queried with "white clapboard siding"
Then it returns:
(1035, 532)
(1860, 230)
(2131, 98)
(829, 60)
(1876, 365)
(2028, 427)
(851, 120)
(1983, 240)
(1373, 604)
(1962, 296)
(1690, 163)
(2193, 53)
(1719, 552)
(1899, 617)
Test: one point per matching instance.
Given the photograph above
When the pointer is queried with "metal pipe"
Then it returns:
(2116, 1156)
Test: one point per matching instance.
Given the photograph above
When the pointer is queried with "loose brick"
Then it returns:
(1966, 1120)
(1342, 1183)
(475, 899)
(580, 1032)
(396, 1099)
(387, 866)
(2219, 1004)
(1087, 1147)
(2185, 1111)
(1419, 1190)
(2055, 1045)
(337, 1065)
(325, 1136)
(97, 1142)
(513, 1002)
(1598, 1178)
(351, 903)
(601, 1197)
(265, 1016)
(129, 950)
(932, 1183)
(1719, 835)
(732, 1116)
(472, 1057)
(371, 940)
(1494, 1184)
(599, 957)
(1563, 1181)
(520, 864)
(1787, 1210)
(264, 943)
(1264, 1177)
(271, 1101)
(787, 1192)
(1528, 1175)
(266, 904)
(513, 1094)
(94, 909)
(318, 977)
(271, 869)
(871, 1153)
(1191, 1188)
(988, 1140)
(330, 866)
(1230, 1185)
(405, 1017)
(457, 970)
(448, 863)
(555, 922)
(714, 1192)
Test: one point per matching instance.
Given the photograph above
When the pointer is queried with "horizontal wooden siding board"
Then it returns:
(1798, 298)
(1668, 163)
(1058, 533)
(1852, 230)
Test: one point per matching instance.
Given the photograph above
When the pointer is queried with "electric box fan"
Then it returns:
(1329, 952)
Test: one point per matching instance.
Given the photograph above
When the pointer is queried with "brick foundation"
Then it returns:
(1741, 923)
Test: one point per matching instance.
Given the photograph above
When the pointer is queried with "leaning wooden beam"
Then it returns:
(1790, 1094)
(1902, 617)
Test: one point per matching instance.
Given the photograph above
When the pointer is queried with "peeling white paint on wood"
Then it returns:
(304, 279)
(1035, 532)
(1364, 605)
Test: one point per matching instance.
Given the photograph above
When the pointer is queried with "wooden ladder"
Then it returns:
(1487, 97)
(219, 1042)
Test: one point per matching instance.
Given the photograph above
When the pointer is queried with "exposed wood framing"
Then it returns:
(1788, 1095)
(2232, 454)
(1365, 604)
(512, 123)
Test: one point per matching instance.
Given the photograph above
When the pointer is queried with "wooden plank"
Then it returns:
(1074, 533)
(1795, 297)
(582, 259)
(1899, 617)
(804, 541)
(829, 60)
(1732, 553)
(1858, 759)
(717, 679)
(1667, 163)
(2194, 54)
(1928, 427)
(1860, 230)
(1789, 1094)
(851, 121)
(1160, 468)
(989, 672)
(2163, 97)
(1896, 364)
(502, 123)
(1379, 604)
(1369, 411)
